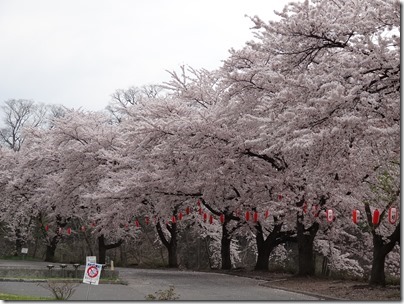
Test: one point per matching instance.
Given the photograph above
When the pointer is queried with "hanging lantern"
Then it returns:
(255, 217)
(93, 225)
(198, 203)
(137, 224)
(180, 216)
(314, 210)
(280, 196)
(200, 211)
(83, 228)
(222, 218)
(376, 217)
(147, 220)
(187, 211)
(173, 219)
(205, 217)
(330, 215)
(46, 227)
(69, 231)
(247, 216)
(356, 216)
(392, 215)
(305, 207)
(211, 219)
(237, 212)
(266, 214)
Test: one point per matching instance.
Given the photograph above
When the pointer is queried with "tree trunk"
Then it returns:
(263, 259)
(172, 256)
(266, 246)
(225, 248)
(305, 241)
(171, 245)
(18, 242)
(263, 251)
(102, 248)
(381, 249)
(51, 248)
(377, 276)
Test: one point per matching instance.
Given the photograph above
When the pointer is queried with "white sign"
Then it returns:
(92, 273)
(91, 259)
(24, 250)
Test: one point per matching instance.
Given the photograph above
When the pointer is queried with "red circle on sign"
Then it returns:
(92, 271)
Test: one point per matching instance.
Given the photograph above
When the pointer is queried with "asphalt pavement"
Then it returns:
(188, 285)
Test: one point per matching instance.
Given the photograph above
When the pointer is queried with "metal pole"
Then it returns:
(88, 291)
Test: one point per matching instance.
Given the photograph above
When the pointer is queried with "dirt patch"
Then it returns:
(329, 289)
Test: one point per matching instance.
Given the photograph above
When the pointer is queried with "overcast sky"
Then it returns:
(78, 52)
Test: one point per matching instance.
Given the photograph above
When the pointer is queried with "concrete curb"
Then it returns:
(34, 280)
(318, 295)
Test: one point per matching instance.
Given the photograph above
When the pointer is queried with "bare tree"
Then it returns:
(18, 114)
(122, 99)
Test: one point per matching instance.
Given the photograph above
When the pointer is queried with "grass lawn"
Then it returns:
(13, 297)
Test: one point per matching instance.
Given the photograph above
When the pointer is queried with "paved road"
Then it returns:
(188, 286)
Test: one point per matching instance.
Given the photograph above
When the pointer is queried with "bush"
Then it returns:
(163, 295)
(62, 290)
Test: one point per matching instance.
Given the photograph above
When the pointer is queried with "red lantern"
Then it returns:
(137, 224)
(147, 220)
(314, 210)
(266, 214)
(376, 217)
(188, 211)
(173, 220)
(247, 216)
(211, 219)
(180, 216)
(46, 227)
(393, 215)
(222, 218)
(355, 216)
(255, 217)
(280, 197)
(205, 217)
(200, 211)
(93, 225)
(69, 231)
(305, 207)
(330, 215)
(198, 203)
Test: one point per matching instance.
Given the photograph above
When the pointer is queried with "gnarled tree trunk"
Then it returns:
(305, 242)
(225, 248)
(266, 246)
(381, 249)
(51, 248)
(102, 248)
(170, 244)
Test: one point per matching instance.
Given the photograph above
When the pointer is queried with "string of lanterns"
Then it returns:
(254, 216)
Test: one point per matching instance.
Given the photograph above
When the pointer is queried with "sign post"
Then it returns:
(92, 275)
(24, 252)
(91, 259)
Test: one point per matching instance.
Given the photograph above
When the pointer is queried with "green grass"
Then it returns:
(13, 297)
(20, 258)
